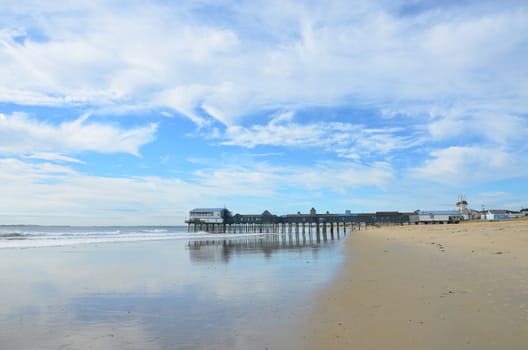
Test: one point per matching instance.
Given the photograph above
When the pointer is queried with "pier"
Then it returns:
(222, 221)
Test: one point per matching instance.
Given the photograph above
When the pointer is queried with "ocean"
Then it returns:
(34, 236)
(157, 287)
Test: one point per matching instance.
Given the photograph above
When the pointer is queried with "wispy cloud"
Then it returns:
(263, 179)
(493, 127)
(347, 140)
(293, 56)
(471, 165)
(47, 193)
(20, 134)
(53, 157)
(282, 131)
(58, 191)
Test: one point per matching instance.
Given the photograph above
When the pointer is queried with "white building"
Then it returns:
(495, 215)
(436, 217)
(207, 215)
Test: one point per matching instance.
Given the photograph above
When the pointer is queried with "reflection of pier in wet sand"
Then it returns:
(267, 243)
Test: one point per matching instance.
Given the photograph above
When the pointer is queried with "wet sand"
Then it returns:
(427, 287)
(228, 292)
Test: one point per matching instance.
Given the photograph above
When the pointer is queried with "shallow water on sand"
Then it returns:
(211, 292)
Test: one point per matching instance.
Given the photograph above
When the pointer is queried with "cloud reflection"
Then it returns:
(159, 294)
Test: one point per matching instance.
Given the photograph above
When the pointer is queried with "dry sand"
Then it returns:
(428, 287)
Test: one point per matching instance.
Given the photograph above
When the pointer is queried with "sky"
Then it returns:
(134, 112)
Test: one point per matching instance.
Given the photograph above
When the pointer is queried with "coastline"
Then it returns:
(427, 287)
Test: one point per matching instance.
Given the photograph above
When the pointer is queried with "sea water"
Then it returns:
(29, 236)
(156, 287)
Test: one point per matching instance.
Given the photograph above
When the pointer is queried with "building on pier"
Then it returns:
(221, 220)
(209, 215)
(265, 218)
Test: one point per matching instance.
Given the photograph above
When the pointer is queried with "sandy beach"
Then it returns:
(459, 286)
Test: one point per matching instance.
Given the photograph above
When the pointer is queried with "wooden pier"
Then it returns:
(312, 223)
(284, 227)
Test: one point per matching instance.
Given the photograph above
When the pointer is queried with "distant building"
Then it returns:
(462, 203)
(391, 217)
(463, 208)
(495, 214)
(515, 214)
(436, 217)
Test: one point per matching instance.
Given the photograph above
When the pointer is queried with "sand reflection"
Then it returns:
(158, 295)
(265, 245)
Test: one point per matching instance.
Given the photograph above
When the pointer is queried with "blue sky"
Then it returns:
(134, 112)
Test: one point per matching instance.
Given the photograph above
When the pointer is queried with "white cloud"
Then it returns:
(92, 59)
(345, 139)
(184, 99)
(47, 193)
(493, 127)
(275, 134)
(340, 177)
(258, 181)
(20, 134)
(265, 180)
(53, 157)
(502, 129)
(471, 166)
(265, 56)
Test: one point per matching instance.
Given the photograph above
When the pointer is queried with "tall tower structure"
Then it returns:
(462, 203)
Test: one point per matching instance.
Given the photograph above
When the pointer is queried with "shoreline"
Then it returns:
(427, 287)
